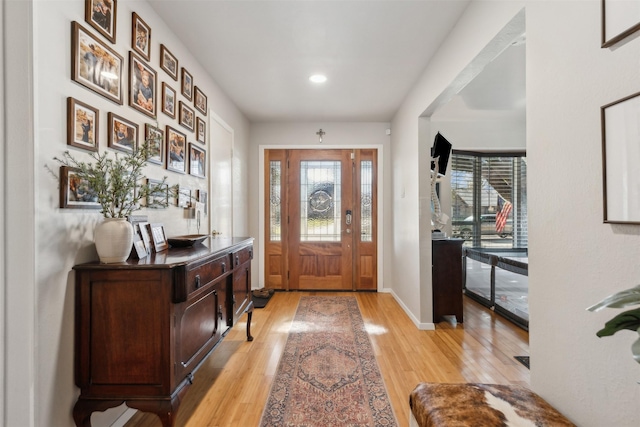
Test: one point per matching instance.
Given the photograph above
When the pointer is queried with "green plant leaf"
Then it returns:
(627, 320)
(117, 180)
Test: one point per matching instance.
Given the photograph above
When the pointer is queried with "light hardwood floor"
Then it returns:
(232, 386)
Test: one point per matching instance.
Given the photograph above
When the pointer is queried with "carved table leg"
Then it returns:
(85, 407)
(249, 316)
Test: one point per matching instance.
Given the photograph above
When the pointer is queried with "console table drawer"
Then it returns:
(242, 256)
(206, 273)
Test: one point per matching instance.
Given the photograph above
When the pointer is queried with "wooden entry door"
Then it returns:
(321, 223)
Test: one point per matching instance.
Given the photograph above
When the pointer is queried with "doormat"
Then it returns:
(328, 374)
(523, 359)
(260, 300)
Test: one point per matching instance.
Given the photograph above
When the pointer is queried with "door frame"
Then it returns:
(380, 195)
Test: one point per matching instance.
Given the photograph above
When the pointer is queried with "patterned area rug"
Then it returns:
(328, 375)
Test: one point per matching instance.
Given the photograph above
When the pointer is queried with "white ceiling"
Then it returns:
(262, 52)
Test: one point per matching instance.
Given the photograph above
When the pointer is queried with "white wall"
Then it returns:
(303, 135)
(411, 139)
(574, 259)
(19, 224)
(63, 238)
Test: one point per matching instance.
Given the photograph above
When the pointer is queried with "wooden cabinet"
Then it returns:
(447, 278)
(142, 328)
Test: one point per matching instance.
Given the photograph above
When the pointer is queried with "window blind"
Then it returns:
(489, 199)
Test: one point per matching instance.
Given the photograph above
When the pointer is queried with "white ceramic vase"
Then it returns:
(113, 238)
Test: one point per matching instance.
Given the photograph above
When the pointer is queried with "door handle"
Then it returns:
(348, 217)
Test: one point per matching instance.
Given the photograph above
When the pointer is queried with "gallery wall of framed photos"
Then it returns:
(136, 88)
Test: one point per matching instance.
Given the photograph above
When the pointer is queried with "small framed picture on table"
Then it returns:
(158, 237)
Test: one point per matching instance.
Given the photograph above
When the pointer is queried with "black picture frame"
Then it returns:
(620, 19)
(620, 122)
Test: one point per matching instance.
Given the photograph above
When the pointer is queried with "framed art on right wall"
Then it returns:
(620, 19)
(620, 159)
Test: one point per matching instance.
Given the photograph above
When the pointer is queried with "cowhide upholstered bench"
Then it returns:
(486, 405)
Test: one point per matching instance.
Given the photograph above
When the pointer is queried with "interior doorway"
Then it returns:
(321, 219)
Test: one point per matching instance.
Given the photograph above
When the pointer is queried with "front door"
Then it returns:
(321, 214)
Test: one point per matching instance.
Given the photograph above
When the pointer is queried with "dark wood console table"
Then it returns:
(447, 278)
(143, 327)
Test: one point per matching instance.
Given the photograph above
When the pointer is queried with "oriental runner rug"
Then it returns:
(328, 374)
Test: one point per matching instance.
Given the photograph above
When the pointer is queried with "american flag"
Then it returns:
(501, 217)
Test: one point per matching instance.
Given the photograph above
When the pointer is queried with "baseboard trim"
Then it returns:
(419, 325)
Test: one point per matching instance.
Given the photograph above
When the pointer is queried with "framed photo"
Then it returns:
(158, 237)
(168, 100)
(197, 161)
(187, 116)
(76, 192)
(139, 249)
(142, 86)
(143, 229)
(184, 197)
(200, 101)
(136, 220)
(620, 159)
(203, 198)
(123, 134)
(140, 36)
(82, 125)
(176, 150)
(95, 65)
(168, 62)
(159, 196)
(620, 19)
(201, 130)
(155, 138)
(187, 84)
(101, 15)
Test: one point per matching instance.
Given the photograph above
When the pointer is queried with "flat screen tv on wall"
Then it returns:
(441, 149)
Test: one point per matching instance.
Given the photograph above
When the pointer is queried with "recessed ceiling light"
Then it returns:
(318, 78)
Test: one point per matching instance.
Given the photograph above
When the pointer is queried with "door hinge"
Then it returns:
(287, 275)
(353, 156)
